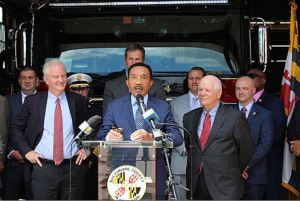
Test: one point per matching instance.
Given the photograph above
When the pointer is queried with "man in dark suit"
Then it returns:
(181, 105)
(275, 156)
(261, 124)
(122, 112)
(15, 188)
(43, 132)
(293, 136)
(117, 87)
(222, 145)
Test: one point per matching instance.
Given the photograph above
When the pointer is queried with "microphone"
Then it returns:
(88, 126)
(140, 100)
(150, 117)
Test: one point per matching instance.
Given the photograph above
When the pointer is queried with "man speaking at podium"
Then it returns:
(125, 114)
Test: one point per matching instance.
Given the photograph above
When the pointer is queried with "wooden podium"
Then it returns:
(126, 170)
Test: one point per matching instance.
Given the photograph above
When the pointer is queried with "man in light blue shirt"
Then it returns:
(43, 132)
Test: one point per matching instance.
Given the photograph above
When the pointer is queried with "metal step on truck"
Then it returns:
(90, 37)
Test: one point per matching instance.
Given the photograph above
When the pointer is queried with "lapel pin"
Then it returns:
(254, 113)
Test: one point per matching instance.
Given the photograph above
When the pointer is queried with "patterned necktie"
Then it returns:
(138, 119)
(58, 153)
(205, 131)
(244, 111)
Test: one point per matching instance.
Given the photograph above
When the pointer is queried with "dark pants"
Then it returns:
(51, 182)
(254, 191)
(14, 185)
(201, 191)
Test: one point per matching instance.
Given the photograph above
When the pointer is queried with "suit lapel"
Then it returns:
(196, 122)
(128, 113)
(71, 103)
(150, 104)
(123, 86)
(253, 112)
(42, 107)
(218, 122)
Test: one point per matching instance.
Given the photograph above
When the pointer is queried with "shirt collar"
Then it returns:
(213, 111)
(248, 107)
(258, 94)
(192, 96)
(133, 100)
(53, 98)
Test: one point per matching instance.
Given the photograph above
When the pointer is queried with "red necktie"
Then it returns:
(58, 152)
(205, 131)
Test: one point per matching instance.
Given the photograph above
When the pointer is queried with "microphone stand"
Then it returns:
(171, 191)
(190, 156)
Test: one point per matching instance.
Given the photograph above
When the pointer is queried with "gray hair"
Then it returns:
(52, 62)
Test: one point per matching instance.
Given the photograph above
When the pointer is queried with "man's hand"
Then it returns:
(141, 135)
(81, 156)
(17, 156)
(33, 157)
(295, 147)
(115, 135)
(245, 174)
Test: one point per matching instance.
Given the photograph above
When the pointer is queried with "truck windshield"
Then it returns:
(104, 61)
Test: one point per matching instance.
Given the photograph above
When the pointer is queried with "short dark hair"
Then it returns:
(134, 47)
(142, 65)
(28, 68)
(196, 68)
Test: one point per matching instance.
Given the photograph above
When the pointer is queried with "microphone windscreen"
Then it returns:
(139, 97)
(94, 121)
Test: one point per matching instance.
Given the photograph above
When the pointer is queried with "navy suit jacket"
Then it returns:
(119, 113)
(261, 124)
(274, 104)
(15, 105)
(28, 126)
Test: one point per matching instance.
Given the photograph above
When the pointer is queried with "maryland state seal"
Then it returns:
(126, 183)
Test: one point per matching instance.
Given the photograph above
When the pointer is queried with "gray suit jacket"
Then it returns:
(179, 107)
(4, 124)
(117, 88)
(227, 152)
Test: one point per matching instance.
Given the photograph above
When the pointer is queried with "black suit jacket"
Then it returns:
(117, 88)
(28, 126)
(293, 131)
(227, 152)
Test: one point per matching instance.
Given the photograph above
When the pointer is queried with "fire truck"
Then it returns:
(90, 37)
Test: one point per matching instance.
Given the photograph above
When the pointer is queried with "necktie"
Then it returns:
(58, 153)
(138, 119)
(205, 131)
(244, 111)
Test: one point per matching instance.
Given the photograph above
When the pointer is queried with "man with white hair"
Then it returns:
(222, 145)
(44, 132)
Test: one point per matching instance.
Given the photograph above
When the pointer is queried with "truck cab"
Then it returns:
(90, 37)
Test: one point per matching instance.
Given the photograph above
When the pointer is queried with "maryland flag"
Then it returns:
(119, 179)
(133, 192)
(290, 93)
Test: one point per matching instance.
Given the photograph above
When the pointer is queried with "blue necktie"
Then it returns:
(138, 119)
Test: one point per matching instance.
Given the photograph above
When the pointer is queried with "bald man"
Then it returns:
(261, 123)
(275, 156)
(222, 145)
